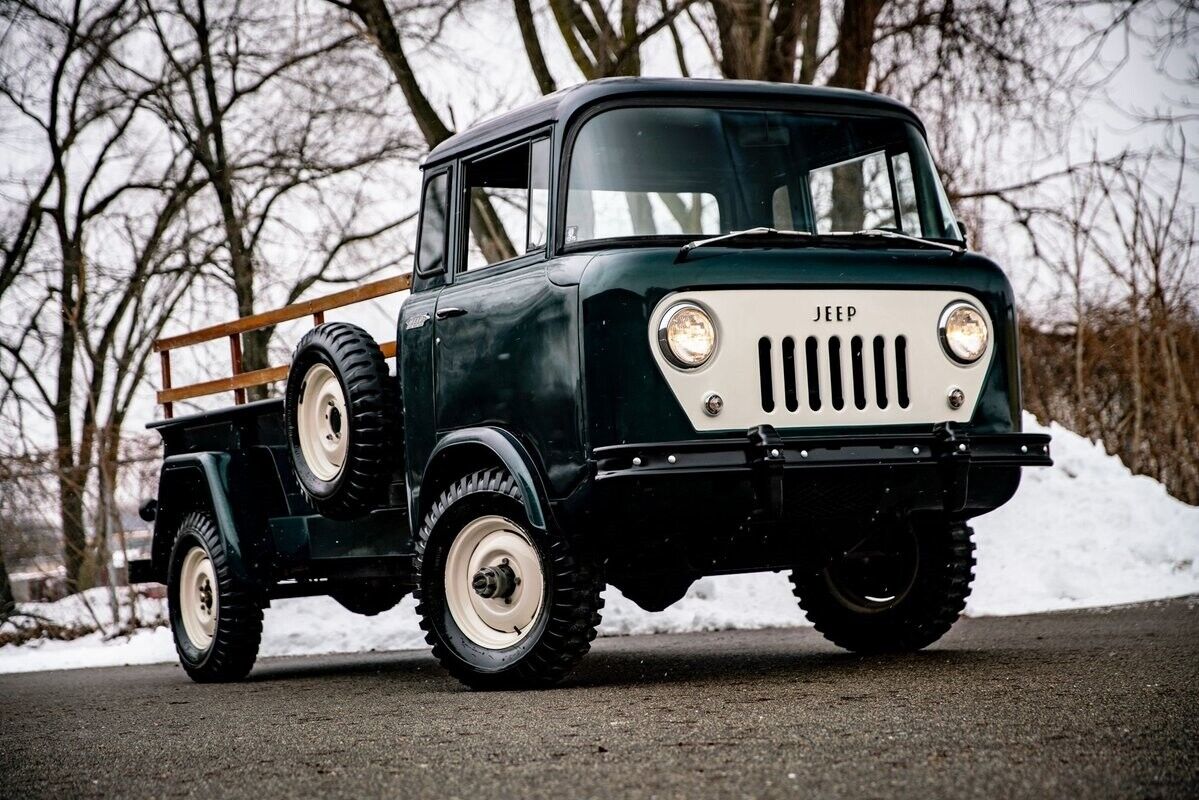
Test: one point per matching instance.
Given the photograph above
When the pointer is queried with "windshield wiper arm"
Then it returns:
(883, 233)
(869, 233)
(686, 249)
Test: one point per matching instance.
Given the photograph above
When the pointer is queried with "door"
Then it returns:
(506, 338)
(415, 329)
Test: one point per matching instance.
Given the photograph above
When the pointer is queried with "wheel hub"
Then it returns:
(205, 595)
(499, 581)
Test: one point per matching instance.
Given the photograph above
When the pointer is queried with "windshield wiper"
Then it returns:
(686, 249)
(883, 233)
(869, 233)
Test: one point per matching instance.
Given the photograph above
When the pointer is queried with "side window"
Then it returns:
(539, 193)
(853, 195)
(508, 203)
(430, 257)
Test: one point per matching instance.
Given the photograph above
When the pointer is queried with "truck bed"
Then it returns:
(258, 494)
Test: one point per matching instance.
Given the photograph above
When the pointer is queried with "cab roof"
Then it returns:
(561, 105)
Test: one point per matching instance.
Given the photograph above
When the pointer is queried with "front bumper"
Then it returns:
(764, 457)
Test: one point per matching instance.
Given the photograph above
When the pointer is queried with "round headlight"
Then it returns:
(687, 336)
(964, 332)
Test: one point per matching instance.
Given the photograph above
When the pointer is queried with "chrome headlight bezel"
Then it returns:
(664, 343)
(947, 339)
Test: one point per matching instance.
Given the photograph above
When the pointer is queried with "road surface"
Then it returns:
(1080, 704)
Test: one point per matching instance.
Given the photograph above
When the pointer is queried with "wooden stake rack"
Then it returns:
(240, 380)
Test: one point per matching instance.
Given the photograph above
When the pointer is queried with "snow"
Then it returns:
(1086, 532)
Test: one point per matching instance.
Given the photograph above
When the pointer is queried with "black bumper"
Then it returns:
(763, 457)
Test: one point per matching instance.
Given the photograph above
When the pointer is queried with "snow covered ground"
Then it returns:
(1085, 533)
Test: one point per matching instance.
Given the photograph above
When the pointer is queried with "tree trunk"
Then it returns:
(811, 40)
(216, 161)
(70, 473)
(7, 604)
(855, 42)
(381, 27)
(485, 223)
(528, 34)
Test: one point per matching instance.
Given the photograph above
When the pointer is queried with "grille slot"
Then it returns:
(812, 348)
(834, 372)
(766, 374)
(880, 371)
(901, 370)
(790, 399)
(857, 381)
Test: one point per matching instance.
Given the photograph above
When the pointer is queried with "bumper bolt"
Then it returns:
(962, 447)
(671, 459)
(636, 461)
(916, 451)
(1023, 448)
(803, 453)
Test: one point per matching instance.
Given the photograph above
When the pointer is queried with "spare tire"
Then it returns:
(340, 411)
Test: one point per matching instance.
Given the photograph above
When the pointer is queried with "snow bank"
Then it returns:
(1085, 533)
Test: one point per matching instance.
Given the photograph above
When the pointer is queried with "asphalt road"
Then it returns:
(1081, 704)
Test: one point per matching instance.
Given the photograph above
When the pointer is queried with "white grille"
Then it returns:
(817, 372)
(785, 358)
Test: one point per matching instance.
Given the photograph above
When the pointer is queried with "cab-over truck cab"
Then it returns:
(657, 329)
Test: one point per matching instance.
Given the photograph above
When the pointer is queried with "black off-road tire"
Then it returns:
(372, 420)
(921, 616)
(234, 646)
(562, 633)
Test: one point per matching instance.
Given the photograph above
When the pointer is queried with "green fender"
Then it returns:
(463, 446)
(196, 482)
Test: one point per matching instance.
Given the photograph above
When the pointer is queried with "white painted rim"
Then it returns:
(493, 622)
(199, 600)
(323, 423)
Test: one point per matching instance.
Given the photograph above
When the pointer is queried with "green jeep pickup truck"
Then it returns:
(657, 330)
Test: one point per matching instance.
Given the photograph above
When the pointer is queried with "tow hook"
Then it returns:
(766, 458)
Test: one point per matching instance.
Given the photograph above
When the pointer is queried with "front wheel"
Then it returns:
(898, 590)
(215, 619)
(502, 603)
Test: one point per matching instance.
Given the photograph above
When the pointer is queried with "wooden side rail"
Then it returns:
(240, 380)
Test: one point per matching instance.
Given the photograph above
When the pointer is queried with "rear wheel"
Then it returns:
(215, 619)
(502, 603)
(898, 590)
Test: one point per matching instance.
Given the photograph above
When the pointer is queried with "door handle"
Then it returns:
(446, 313)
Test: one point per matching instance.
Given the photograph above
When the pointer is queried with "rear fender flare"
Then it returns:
(196, 482)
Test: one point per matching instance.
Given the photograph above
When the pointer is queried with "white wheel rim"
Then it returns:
(494, 622)
(199, 602)
(322, 423)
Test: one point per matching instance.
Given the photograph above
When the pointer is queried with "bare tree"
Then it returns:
(255, 165)
(85, 102)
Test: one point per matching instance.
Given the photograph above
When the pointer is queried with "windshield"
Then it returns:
(638, 172)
